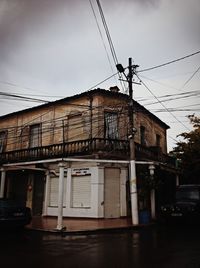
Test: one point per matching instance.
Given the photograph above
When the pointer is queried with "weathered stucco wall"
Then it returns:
(152, 129)
(78, 119)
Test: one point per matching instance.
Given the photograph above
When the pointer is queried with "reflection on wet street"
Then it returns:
(146, 247)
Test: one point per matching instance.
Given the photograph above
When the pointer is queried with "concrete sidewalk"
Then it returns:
(80, 225)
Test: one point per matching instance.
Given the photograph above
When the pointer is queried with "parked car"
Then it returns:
(13, 214)
(186, 206)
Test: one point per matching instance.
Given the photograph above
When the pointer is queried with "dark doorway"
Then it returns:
(17, 186)
(38, 194)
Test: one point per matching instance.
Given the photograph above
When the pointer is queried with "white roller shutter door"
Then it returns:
(53, 192)
(81, 191)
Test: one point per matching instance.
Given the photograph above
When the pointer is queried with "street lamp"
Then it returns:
(151, 169)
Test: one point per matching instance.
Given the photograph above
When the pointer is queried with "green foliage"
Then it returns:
(188, 152)
(146, 183)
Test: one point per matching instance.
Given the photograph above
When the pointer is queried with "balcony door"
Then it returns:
(2, 140)
(142, 135)
(111, 125)
(75, 127)
(35, 136)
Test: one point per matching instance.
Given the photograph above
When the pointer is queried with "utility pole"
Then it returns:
(132, 176)
(133, 180)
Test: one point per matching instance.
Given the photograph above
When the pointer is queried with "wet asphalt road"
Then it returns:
(153, 246)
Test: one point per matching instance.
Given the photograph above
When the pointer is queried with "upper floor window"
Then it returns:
(74, 127)
(142, 135)
(3, 135)
(111, 125)
(158, 138)
(35, 135)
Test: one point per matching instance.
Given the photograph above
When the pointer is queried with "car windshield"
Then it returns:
(189, 194)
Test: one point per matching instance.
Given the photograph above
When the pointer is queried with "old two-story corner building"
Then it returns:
(82, 140)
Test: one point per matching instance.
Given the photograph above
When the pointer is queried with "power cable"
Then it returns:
(18, 97)
(112, 49)
(11, 104)
(180, 107)
(15, 85)
(107, 32)
(21, 97)
(160, 83)
(176, 98)
(104, 45)
(190, 78)
(56, 126)
(102, 81)
(35, 95)
(57, 120)
(169, 62)
(173, 139)
(161, 102)
(185, 93)
(175, 110)
(86, 109)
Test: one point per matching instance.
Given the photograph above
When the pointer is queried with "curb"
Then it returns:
(91, 231)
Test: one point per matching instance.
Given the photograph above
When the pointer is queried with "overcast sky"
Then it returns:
(53, 48)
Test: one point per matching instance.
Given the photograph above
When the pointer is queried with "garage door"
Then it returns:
(112, 193)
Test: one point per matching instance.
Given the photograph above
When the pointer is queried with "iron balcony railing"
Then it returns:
(153, 153)
(74, 148)
(100, 146)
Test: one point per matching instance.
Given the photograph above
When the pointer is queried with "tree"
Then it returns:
(188, 152)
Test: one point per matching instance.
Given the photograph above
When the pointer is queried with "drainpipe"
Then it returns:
(3, 179)
(60, 196)
(91, 115)
(152, 194)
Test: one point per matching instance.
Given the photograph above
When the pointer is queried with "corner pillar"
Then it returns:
(60, 197)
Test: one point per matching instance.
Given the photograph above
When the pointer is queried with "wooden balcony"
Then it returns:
(103, 148)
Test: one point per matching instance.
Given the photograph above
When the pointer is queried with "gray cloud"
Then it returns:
(53, 45)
